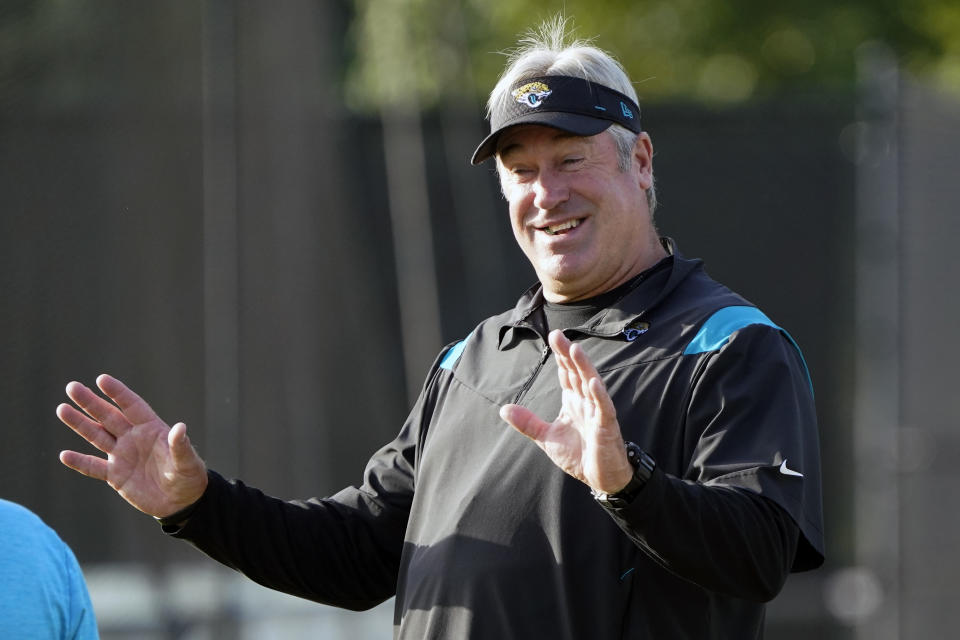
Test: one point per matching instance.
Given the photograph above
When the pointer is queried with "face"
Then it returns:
(582, 222)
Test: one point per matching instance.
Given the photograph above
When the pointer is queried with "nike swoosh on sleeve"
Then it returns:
(789, 472)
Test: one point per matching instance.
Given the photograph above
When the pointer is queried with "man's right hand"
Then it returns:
(152, 466)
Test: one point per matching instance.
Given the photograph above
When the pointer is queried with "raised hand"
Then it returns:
(152, 466)
(584, 440)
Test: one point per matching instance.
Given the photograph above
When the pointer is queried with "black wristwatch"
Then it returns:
(643, 466)
(179, 517)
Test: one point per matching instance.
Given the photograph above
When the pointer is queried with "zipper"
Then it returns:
(544, 354)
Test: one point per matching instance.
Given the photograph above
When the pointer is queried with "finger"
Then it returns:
(566, 370)
(133, 406)
(525, 421)
(92, 432)
(585, 369)
(90, 466)
(604, 404)
(181, 451)
(578, 381)
(559, 342)
(573, 380)
(97, 408)
(566, 375)
(598, 403)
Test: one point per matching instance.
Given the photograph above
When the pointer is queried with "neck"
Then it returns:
(563, 292)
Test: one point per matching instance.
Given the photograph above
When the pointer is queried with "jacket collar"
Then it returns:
(622, 317)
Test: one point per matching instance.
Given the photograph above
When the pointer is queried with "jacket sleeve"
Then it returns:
(343, 550)
(746, 510)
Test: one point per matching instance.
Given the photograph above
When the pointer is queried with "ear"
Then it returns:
(643, 160)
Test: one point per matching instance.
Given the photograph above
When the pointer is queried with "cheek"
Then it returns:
(519, 228)
(519, 203)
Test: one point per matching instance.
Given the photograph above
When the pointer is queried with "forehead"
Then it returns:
(532, 135)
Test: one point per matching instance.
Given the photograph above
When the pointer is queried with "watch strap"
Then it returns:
(179, 517)
(643, 466)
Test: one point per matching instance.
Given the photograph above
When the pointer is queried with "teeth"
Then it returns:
(555, 229)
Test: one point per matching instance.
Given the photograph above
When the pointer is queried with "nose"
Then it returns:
(550, 190)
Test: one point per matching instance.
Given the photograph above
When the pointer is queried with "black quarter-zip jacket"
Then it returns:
(480, 535)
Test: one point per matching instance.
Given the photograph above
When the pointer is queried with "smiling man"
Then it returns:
(661, 477)
(581, 221)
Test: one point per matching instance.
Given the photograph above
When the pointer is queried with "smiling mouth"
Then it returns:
(563, 227)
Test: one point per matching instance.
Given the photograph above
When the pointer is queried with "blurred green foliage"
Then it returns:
(716, 51)
(429, 52)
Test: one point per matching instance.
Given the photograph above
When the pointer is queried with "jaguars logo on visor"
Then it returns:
(532, 94)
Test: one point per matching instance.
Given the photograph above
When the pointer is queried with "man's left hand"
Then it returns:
(584, 440)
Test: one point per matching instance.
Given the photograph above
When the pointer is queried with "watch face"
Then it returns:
(634, 454)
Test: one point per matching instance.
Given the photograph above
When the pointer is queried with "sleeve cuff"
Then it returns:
(175, 522)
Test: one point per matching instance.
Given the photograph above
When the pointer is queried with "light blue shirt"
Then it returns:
(42, 591)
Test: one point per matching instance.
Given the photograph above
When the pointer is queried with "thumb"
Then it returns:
(180, 448)
(188, 477)
(524, 421)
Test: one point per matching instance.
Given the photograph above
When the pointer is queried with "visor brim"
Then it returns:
(574, 123)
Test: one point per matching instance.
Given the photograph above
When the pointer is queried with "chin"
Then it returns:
(560, 286)
(562, 268)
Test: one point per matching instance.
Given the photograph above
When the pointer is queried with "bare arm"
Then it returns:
(151, 465)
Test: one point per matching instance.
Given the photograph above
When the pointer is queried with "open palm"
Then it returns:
(584, 440)
(152, 466)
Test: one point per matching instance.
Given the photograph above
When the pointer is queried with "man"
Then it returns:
(44, 596)
(675, 489)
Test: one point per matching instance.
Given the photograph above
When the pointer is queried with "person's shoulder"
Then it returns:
(19, 517)
(483, 332)
(28, 528)
(33, 549)
(51, 594)
(707, 288)
(696, 296)
(494, 325)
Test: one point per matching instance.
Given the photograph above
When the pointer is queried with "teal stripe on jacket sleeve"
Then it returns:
(718, 328)
(724, 323)
(453, 355)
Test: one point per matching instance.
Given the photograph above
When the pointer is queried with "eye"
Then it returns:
(572, 161)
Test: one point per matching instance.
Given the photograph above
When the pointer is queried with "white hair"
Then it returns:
(545, 51)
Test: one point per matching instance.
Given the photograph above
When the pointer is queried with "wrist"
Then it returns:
(623, 477)
(178, 518)
(642, 466)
